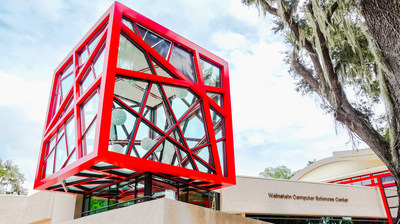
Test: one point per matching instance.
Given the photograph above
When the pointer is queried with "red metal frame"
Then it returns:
(72, 176)
(372, 180)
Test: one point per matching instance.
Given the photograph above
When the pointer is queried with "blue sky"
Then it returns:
(284, 128)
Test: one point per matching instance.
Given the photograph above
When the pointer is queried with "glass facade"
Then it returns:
(145, 187)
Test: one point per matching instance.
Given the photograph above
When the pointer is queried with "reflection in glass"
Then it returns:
(99, 62)
(70, 128)
(90, 110)
(211, 73)
(205, 154)
(61, 154)
(182, 60)
(216, 97)
(222, 156)
(130, 57)
(193, 128)
(96, 38)
(87, 80)
(160, 71)
(122, 124)
(50, 164)
(129, 23)
(159, 44)
(130, 91)
(180, 99)
(72, 158)
(159, 114)
(218, 124)
(66, 85)
(83, 56)
(88, 140)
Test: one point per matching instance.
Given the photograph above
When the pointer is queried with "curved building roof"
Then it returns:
(341, 165)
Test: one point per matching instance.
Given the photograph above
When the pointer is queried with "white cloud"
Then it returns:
(229, 40)
(30, 97)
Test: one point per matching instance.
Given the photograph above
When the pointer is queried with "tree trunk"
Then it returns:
(383, 20)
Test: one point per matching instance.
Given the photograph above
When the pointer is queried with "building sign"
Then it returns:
(308, 197)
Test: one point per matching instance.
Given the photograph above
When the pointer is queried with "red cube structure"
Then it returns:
(134, 97)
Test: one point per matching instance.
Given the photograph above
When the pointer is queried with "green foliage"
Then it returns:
(279, 172)
(11, 179)
(311, 162)
(345, 37)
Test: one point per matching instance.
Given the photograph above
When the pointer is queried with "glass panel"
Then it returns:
(187, 160)
(211, 73)
(218, 123)
(162, 48)
(129, 23)
(122, 125)
(69, 104)
(182, 60)
(160, 71)
(75, 189)
(159, 44)
(90, 110)
(180, 99)
(83, 56)
(193, 128)
(87, 80)
(124, 171)
(130, 91)
(99, 62)
(176, 134)
(68, 70)
(130, 57)
(202, 167)
(51, 143)
(61, 154)
(142, 31)
(147, 138)
(205, 154)
(221, 153)
(163, 118)
(75, 179)
(95, 41)
(70, 128)
(66, 85)
(165, 152)
(57, 98)
(50, 164)
(88, 140)
(216, 97)
(72, 158)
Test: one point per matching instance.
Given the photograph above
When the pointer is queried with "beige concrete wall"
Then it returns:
(250, 195)
(11, 208)
(42, 207)
(163, 211)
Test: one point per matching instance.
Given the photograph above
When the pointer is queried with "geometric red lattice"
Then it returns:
(135, 97)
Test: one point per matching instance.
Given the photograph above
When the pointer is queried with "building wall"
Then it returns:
(251, 195)
(164, 211)
(42, 207)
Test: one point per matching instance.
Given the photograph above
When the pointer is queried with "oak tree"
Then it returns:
(347, 54)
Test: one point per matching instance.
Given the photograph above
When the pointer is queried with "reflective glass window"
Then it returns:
(89, 110)
(130, 57)
(61, 154)
(211, 73)
(88, 140)
(182, 60)
(70, 133)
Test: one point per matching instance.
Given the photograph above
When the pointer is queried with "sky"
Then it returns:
(272, 123)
